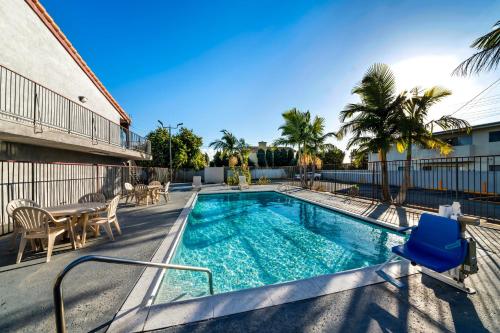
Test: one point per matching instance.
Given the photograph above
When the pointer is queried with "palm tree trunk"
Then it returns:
(313, 169)
(401, 199)
(299, 163)
(386, 196)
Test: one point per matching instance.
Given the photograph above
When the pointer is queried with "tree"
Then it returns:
(159, 148)
(294, 133)
(290, 157)
(186, 149)
(372, 120)
(261, 157)
(316, 144)
(281, 157)
(488, 55)
(220, 160)
(307, 135)
(333, 156)
(227, 145)
(269, 158)
(235, 149)
(359, 160)
(416, 129)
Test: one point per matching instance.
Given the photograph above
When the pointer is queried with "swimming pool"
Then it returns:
(262, 238)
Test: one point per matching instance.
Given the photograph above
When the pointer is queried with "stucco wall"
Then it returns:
(30, 49)
(25, 152)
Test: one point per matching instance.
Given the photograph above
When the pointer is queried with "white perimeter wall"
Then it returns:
(29, 48)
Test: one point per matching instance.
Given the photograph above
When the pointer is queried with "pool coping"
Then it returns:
(138, 312)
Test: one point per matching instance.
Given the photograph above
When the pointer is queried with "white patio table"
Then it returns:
(78, 213)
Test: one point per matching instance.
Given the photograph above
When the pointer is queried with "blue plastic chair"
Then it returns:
(436, 244)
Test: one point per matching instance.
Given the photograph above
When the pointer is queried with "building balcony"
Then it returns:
(33, 114)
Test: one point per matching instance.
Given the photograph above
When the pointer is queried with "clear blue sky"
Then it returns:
(239, 64)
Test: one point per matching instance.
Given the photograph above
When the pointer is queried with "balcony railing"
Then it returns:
(23, 100)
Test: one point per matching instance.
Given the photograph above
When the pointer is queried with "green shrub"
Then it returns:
(263, 181)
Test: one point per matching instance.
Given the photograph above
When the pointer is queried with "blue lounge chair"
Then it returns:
(436, 244)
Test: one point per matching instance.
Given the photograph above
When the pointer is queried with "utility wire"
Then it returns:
(473, 98)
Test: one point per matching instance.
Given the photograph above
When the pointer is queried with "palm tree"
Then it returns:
(316, 143)
(228, 144)
(294, 133)
(371, 121)
(415, 128)
(243, 151)
(487, 57)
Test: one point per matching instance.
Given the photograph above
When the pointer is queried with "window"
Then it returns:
(495, 167)
(463, 140)
(494, 136)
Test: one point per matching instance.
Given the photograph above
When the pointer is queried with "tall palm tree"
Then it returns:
(228, 144)
(416, 129)
(488, 55)
(316, 143)
(294, 133)
(243, 151)
(371, 121)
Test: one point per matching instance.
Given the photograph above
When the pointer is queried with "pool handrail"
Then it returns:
(57, 290)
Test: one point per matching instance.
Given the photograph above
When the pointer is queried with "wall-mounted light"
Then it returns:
(83, 99)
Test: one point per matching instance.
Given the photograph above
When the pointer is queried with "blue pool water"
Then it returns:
(255, 239)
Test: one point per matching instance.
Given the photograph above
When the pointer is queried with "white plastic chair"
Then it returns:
(106, 221)
(36, 224)
(165, 192)
(129, 192)
(197, 182)
(16, 228)
(92, 197)
(141, 193)
(243, 182)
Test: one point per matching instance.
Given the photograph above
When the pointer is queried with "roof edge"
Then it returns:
(44, 16)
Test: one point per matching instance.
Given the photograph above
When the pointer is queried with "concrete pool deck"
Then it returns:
(94, 293)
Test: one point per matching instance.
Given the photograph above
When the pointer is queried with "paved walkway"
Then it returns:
(93, 292)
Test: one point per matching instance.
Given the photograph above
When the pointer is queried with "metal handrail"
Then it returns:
(57, 291)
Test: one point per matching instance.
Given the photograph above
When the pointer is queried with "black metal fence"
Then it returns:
(23, 100)
(52, 184)
(473, 181)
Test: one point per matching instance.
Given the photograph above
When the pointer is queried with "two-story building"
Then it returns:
(481, 144)
(52, 106)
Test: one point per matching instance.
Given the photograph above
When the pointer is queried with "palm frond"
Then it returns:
(488, 56)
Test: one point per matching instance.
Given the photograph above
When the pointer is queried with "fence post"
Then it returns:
(456, 178)
(96, 177)
(373, 182)
(33, 182)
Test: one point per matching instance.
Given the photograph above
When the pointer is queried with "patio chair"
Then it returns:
(141, 193)
(165, 192)
(129, 192)
(155, 183)
(243, 183)
(92, 197)
(106, 221)
(435, 244)
(16, 228)
(37, 223)
(197, 182)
